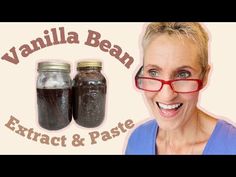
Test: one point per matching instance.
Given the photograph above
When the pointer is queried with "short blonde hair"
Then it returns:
(191, 30)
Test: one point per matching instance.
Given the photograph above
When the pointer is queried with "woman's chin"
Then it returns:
(168, 125)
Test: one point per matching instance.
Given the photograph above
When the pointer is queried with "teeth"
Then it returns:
(173, 106)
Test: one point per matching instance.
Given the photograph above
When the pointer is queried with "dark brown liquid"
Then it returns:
(54, 108)
(89, 99)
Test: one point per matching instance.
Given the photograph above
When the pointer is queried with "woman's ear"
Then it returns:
(206, 74)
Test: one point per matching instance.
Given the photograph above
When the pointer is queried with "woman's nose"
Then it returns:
(166, 93)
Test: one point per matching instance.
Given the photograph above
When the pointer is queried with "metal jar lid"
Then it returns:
(89, 63)
(53, 66)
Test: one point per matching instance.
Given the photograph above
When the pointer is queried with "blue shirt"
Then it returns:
(143, 140)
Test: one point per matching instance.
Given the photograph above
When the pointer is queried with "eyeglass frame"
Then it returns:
(169, 82)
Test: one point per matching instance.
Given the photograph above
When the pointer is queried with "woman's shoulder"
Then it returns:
(142, 139)
(227, 129)
(223, 138)
(148, 124)
(146, 127)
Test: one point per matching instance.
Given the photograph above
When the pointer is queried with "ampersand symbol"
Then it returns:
(77, 141)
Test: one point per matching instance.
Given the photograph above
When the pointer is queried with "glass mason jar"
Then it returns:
(54, 95)
(89, 94)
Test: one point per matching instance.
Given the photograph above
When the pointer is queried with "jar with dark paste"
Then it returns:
(89, 94)
(54, 95)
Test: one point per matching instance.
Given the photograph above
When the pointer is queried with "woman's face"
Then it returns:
(167, 58)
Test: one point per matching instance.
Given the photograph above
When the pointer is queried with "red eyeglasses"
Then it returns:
(178, 85)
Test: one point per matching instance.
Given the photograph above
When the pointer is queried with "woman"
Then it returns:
(174, 70)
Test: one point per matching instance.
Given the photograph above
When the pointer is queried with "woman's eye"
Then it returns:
(184, 74)
(153, 73)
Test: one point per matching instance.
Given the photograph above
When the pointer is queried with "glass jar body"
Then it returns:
(89, 97)
(54, 99)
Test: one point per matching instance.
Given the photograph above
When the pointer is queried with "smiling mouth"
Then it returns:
(170, 106)
(169, 110)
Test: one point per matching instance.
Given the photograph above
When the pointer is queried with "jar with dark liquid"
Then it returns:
(54, 95)
(89, 94)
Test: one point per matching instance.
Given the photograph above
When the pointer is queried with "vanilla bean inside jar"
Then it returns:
(89, 94)
(54, 95)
